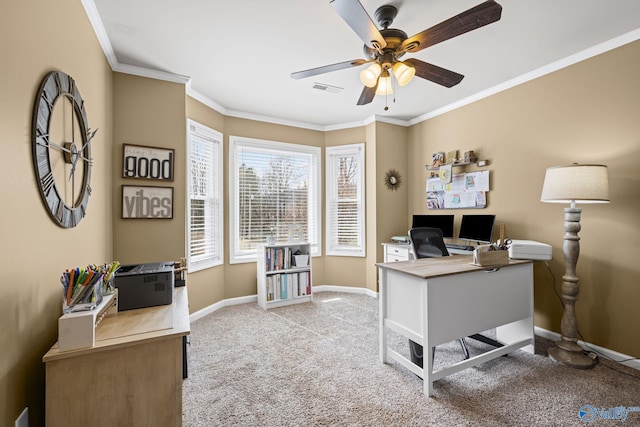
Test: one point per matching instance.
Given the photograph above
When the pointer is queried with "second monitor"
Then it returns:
(443, 222)
(477, 228)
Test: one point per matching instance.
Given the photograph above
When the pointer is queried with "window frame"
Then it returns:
(315, 187)
(331, 175)
(202, 132)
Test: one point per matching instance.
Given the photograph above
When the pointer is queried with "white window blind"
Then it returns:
(204, 204)
(345, 200)
(275, 191)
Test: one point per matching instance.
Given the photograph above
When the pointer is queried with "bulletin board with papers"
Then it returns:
(457, 191)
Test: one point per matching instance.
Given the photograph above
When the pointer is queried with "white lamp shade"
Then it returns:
(384, 86)
(403, 72)
(576, 183)
(369, 76)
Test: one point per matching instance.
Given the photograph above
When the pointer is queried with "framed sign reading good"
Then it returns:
(147, 202)
(139, 161)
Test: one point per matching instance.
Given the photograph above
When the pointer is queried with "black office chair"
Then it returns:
(428, 242)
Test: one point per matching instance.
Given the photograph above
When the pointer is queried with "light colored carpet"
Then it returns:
(317, 364)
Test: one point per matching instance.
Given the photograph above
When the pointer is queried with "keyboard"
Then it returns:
(459, 246)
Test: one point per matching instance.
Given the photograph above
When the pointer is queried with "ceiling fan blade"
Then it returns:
(476, 17)
(433, 73)
(359, 20)
(328, 68)
(367, 95)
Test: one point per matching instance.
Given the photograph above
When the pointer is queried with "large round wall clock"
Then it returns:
(61, 144)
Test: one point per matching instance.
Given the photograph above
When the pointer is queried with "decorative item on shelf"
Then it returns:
(470, 157)
(575, 183)
(392, 179)
(451, 157)
(271, 237)
(437, 159)
(295, 233)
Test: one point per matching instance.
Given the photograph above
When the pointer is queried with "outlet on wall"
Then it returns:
(23, 419)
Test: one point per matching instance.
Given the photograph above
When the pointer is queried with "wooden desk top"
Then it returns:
(425, 268)
(131, 327)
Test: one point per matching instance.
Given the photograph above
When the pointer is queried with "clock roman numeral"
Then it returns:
(60, 212)
(72, 86)
(47, 182)
(49, 103)
(56, 78)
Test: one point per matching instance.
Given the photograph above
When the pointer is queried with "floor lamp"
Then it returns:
(573, 184)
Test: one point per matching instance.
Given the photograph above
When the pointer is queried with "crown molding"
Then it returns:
(542, 71)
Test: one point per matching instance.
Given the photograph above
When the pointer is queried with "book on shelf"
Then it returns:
(278, 258)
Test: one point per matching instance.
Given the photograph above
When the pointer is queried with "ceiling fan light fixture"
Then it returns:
(369, 76)
(404, 73)
(384, 85)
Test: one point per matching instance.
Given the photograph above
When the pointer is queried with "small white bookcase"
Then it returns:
(284, 274)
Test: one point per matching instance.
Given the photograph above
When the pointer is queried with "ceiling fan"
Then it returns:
(384, 48)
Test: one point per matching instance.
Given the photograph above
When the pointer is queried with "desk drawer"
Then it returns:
(397, 253)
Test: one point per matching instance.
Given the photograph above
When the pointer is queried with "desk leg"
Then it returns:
(427, 347)
(382, 313)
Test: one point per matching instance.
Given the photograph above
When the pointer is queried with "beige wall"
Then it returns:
(37, 37)
(339, 270)
(584, 113)
(149, 112)
(587, 113)
(206, 287)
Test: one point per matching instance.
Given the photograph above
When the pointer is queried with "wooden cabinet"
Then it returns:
(132, 376)
(284, 274)
(397, 252)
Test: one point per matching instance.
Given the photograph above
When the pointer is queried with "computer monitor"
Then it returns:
(443, 222)
(477, 228)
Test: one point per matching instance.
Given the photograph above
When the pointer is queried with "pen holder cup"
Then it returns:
(82, 298)
(490, 258)
(108, 286)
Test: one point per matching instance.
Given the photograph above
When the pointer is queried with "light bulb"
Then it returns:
(369, 76)
(384, 86)
(403, 72)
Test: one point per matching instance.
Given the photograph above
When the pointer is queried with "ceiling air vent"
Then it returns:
(327, 88)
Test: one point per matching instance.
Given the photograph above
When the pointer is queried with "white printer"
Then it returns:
(528, 249)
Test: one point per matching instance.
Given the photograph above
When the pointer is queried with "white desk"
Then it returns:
(436, 300)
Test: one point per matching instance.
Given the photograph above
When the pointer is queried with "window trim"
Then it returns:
(354, 150)
(316, 152)
(216, 137)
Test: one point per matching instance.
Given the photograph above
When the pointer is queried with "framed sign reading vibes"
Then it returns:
(139, 161)
(147, 202)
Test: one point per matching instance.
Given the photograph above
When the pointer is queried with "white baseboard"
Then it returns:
(345, 289)
(220, 304)
(621, 358)
(254, 298)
